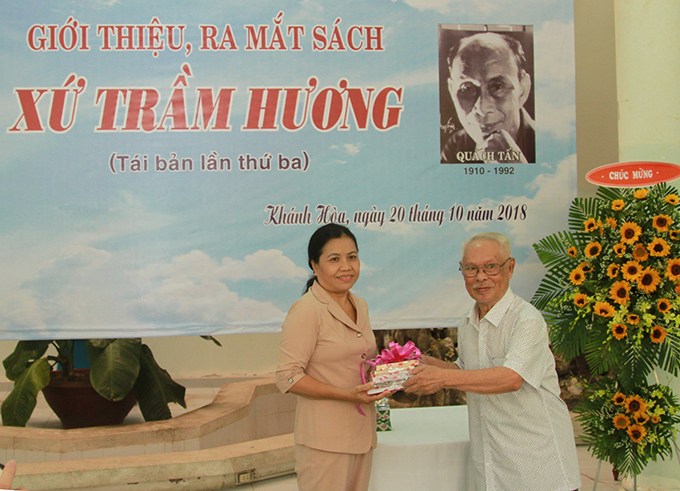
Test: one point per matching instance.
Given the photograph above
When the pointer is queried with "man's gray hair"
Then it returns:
(501, 239)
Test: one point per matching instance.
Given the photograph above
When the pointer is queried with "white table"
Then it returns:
(427, 450)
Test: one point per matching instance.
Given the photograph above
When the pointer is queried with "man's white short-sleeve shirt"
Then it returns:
(520, 440)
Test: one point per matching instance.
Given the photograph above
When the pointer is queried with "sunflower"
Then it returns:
(662, 222)
(673, 269)
(673, 199)
(619, 331)
(580, 300)
(613, 270)
(620, 249)
(677, 288)
(604, 309)
(593, 249)
(664, 305)
(640, 193)
(636, 433)
(658, 334)
(635, 404)
(631, 270)
(656, 419)
(590, 225)
(674, 234)
(633, 319)
(619, 399)
(611, 222)
(630, 232)
(618, 204)
(572, 251)
(621, 422)
(586, 267)
(577, 276)
(659, 248)
(648, 280)
(641, 418)
(640, 252)
(619, 292)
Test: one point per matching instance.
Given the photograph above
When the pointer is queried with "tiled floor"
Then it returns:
(201, 392)
(587, 463)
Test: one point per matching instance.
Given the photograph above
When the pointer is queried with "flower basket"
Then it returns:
(612, 293)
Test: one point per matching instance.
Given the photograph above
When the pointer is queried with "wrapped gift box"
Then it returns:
(382, 415)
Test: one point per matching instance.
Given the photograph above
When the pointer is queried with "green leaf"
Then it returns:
(155, 389)
(582, 209)
(114, 366)
(24, 353)
(20, 403)
(213, 339)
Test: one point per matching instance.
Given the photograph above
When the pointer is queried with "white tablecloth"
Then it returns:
(427, 450)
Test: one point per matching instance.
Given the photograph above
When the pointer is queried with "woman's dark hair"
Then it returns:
(318, 241)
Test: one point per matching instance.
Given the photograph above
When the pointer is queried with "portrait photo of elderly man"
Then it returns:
(486, 96)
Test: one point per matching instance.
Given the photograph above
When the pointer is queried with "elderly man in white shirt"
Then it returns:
(521, 435)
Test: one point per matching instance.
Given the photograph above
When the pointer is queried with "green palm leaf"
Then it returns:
(20, 403)
(114, 366)
(155, 389)
(582, 209)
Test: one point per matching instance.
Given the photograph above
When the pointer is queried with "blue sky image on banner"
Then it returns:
(163, 164)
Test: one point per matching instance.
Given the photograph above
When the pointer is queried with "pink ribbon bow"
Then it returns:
(396, 353)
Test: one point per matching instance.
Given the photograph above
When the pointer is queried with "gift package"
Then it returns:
(390, 369)
(382, 415)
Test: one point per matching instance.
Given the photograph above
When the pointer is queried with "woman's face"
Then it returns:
(338, 266)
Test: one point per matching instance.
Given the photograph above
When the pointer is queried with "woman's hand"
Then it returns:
(358, 394)
(8, 475)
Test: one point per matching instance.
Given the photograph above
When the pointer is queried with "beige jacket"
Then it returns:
(320, 340)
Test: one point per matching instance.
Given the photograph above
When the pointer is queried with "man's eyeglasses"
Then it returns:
(490, 269)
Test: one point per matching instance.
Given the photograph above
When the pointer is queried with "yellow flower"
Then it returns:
(593, 249)
(611, 222)
(673, 199)
(640, 193)
(604, 309)
(664, 305)
(613, 270)
(635, 404)
(631, 270)
(590, 225)
(630, 232)
(633, 319)
(673, 269)
(620, 249)
(641, 418)
(621, 422)
(640, 252)
(659, 248)
(662, 222)
(619, 399)
(572, 251)
(586, 267)
(674, 234)
(656, 419)
(658, 334)
(618, 204)
(577, 276)
(580, 300)
(619, 331)
(648, 280)
(677, 289)
(619, 292)
(636, 433)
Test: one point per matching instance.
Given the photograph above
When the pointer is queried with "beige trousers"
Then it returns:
(318, 470)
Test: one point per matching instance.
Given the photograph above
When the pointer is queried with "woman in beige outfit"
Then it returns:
(326, 338)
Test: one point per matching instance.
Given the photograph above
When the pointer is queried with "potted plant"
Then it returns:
(118, 368)
(612, 292)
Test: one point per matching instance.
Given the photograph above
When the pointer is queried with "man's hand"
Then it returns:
(426, 379)
(503, 147)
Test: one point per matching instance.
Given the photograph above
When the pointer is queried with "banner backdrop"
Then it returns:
(163, 164)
